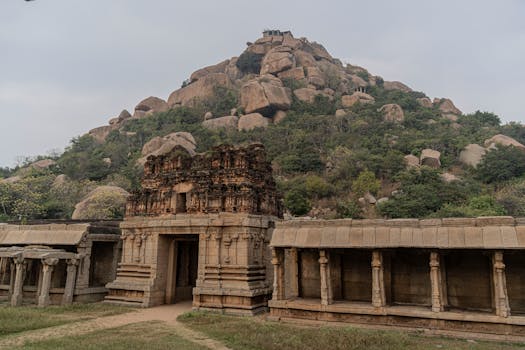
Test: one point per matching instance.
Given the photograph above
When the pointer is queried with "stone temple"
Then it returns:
(208, 228)
(200, 229)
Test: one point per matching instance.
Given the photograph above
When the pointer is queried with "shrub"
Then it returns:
(249, 62)
(501, 164)
(297, 203)
(366, 182)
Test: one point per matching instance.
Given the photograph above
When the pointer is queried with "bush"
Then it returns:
(297, 203)
(249, 62)
(349, 209)
(501, 164)
(366, 182)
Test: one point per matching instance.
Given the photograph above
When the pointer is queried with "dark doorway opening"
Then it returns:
(182, 268)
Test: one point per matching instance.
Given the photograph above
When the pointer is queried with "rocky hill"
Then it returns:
(344, 142)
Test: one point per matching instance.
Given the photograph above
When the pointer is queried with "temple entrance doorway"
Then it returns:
(183, 258)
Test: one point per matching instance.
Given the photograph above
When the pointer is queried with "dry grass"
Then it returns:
(251, 334)
(143, 336)
(25, 318)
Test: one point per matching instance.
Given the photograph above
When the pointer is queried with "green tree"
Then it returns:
(297, 202)
(501, 164)
(366, 182)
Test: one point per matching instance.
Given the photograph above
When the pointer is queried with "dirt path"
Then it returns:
(165, 313)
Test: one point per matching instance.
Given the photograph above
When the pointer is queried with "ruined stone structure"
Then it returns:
(449, 274)
(200, 229)
(57, 263)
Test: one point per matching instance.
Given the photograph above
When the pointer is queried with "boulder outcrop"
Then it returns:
(264, 95)
(162, 145)
(349, 100)
(392, 113)
(308, 95)
(277, 60)
(431, 158)
(216, 68)
(502, 140)
(104, 202)
(201, 89)
(411, 160)
(472, 154)
(252, 121)
(396, 85)
(446, 106)
(152, 104)
(227, 122)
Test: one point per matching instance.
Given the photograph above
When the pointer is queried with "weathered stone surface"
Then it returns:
(411, 160)
(152, 103)
(101, 203)
(315, 77)
(252, 121)
(308, 95)
(340, 113)
(425, 102)
(279, 116)
(277, 60)
(208, 115)
(358, 82)
(124, 115)
(502, 140)
(448, 177)
(446, 106)
(451, 117)
(431, 158)
(100, 133)
(369, 198)
(304, 59)
(162, 145)
(11, 179)
(227, 122)
(349, 100)
(43, 164)
(296, 73)
(264, 95)
(217, 68)
(199, 90)
(472, 154)
(396, 85)
(392, 113)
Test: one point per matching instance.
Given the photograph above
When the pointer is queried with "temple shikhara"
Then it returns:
(208, 228)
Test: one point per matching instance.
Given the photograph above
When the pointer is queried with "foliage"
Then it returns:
(512, 198)
(500, 164)
(484, 205)
(249, 62)
(366, 182)
(422, 192)
(297, 202)
(349, 209)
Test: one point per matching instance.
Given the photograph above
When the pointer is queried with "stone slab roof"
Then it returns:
(454, 233)
(52, 234)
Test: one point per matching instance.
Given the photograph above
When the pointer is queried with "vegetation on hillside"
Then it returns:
(323, 163)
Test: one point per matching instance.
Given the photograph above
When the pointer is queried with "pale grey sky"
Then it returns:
(67, 66)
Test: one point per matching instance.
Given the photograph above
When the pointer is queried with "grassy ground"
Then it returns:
(19, 319)
(251, 333)
(146, 335)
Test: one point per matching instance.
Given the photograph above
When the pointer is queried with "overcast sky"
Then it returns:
(67, 66)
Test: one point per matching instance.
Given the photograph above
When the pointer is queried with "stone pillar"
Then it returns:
(294, 272)
(278, 275)
(326, 288)
(435, 282)
(48, 265)
(501, 298)
(378, 286)
(69, 289)
(18, 286)
(12, 271)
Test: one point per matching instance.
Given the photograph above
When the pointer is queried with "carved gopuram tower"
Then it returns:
(199, 229)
